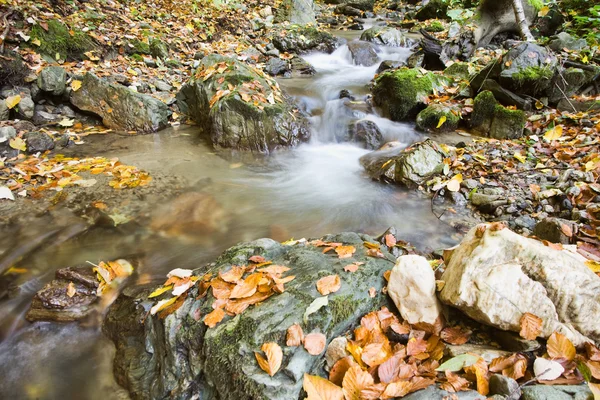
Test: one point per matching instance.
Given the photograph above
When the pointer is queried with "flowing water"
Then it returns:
(309, 191)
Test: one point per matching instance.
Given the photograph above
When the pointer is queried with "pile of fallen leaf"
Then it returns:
(111, 273)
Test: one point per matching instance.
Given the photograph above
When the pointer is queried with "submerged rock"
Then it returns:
(387, 36)
(496, 275)
(366, 133)
(120, 107)
(253, 116)
(180, 357)
(363, 53)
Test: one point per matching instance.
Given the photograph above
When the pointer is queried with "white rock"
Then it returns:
(547, 370)
(496, 275)
(412, 288)
(336, 351)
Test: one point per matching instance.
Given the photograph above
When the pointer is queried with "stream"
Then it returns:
(315, 189)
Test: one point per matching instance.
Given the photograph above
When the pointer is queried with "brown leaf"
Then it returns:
(455, 335)
(454, 383)
(419, 383)
(233, 275)
(351, 268)
(415, 346)
(274, 269)
(355, 381)
(339, 369)
(517, 370)
(239, 306)
(318, 388)
(594, 367)
(274, 357)
(71, 289)
(221, 289)
(376, 353)
(294, 336)
(314, 343)
(345, 251)
(213, 318)
(559, 346)
(247, 287)
(592, 352)
(388, 370)
(257, 259)
(329, 284)
(390, 240)
(531, 326)
(397, 389)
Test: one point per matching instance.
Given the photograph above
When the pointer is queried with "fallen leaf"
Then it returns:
(520, 157)
(372, 292)
(315, 306)
(389, 369)
(397, 389)
(455, 335)
(318, 388)
(6, 193)
(75, 85)
(17, 143)
(454, 383)
(180, 273)
(595, 388)
(160, 291)
(457, 363)
(233, 275)
(314, 343)
(294, 336)
(531, 326)
(247, 287)
(558, 346)
(345, 251)
(213, 318)
(162, 304)
(374, 354)
(12, 101)
(257, 259)
(554, 133)
(274, 358)
(71, 289)
(441, 122)
(453, 184)
(547, 370)
(329, 284)
(351, 268)
(390, 240)
(354, 382)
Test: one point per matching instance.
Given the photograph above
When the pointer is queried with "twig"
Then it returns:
(6, 28)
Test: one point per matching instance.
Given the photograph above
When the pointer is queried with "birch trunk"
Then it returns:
(522, 20)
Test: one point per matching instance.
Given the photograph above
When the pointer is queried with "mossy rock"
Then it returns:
(483, 112)
(435, 26)
(237, 123)
(401, 93)
(136, 46)
(179, 357)
(507, 124)
(458, 70)
(301, 39)
(432, 10)
(159, 49)
(387, 36)
(429, 119)
(57, 40)
(527, 69)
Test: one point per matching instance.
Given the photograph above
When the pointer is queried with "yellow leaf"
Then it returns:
(554, 133)
(162, 305)
(591, 165)
(75, 85)
(17, 143)
(160, 291)
(593, 265)
(584, 59)
(558, 346)
(544, 11)
(595, 388)
(274, 357)
(36, 42)
(12, 101)
(318, 388)
(441, 122)
(453, 184)
(131, 72)
(520, 157)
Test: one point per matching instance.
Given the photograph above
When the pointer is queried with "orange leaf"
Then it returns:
(415, 346)
(294, 336)
(376, 353)
(531, 326)
(318, 388)
(339, 369)
(345, 251)
(454, 383)
(479, 373)
(239, 306)
(355, 381)
(455, 335)
(351, 268)
(257, 259)
(221, 289)
(390, 240)
(247, 287)
(329, 284)
(274, 357)
(559, 346)
(233, 275)
(397, 389)
(372, 292)
(214, 317)
(388, 370)
(314, 343)
(274, 269)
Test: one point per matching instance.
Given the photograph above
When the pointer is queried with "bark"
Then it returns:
(522, 20)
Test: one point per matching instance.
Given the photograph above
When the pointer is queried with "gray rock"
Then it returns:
(432, 9)
(38, 142)
(429, 119)
(578, 105)
(301, 39)
(42, 117)
(512, 342)
(366, 133)
(299, 12)
(435, 393)
(159, 49)
(4, 111)
(276, 66)
(234, 123)
(179, 357)
(557, 392)
(565, 41)
(301, 67)
(26, 108)
(162, 86)
(120, 108)
(505, 386)
(388, 64)
(344, 9)
(150, 62)
(555, 230)
(7, 133)
(53, 80)
(527, 69)
(525, 221)
(387, 36)
(363, 53)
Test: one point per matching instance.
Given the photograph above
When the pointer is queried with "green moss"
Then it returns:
(512, 116)
(507, 124)
(137, 57)
(537, 4)
(429, 118)
(58, 40)
(537, 76)
(137, 46)
(435, 26)
(458, 70)
(483, 111)
(342, 308)
(173, 63)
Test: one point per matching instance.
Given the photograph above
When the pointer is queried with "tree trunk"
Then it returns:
(522, 20)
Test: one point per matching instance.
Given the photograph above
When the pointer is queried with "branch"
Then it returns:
(522, 20)
(6, 28)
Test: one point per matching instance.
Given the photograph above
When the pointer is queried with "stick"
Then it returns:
(6, 28)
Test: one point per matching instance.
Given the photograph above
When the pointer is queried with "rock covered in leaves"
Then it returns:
(120, 108)
(240, 107)
(387, 36)
(438, 118)
(402, 93)
(411, 167)
(495, 276)
(177, 355)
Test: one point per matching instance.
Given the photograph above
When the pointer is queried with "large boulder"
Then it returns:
(119, 107)
(178, 356)
(402, 93)
(365, 5)
(494, 120)
(410, 167)
(387, 36)
(241, 107)
(53, 80)
(301, 39)
(363, 53)
(496, 275)
(300, 12)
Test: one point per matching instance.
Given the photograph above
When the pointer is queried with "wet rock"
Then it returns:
(55, 303)
(412, 288)
(578, 105)
(363, 53)
(53, 80)
(299, 12)
(432, 10)
(513, 342)
(301, 67)
(347, 10)
(276, 66)
(43, 117)
(555, 230)
(366, 133)
(557, 392)
(4, 111)
(179, 357)
(234, 123)
(492, 119)
(120, 108)
(387, 36)
(159, 49)
(365, 5)
(388, 64)
(38, 142)
(433, 392)
(488, 353)
(429, 119)
(496, 275)
(7, 133)
(301, 39)
(400, 93)
(336, 351)
(565, 41)
(410, 167)
(505, 386)
(345, 94)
